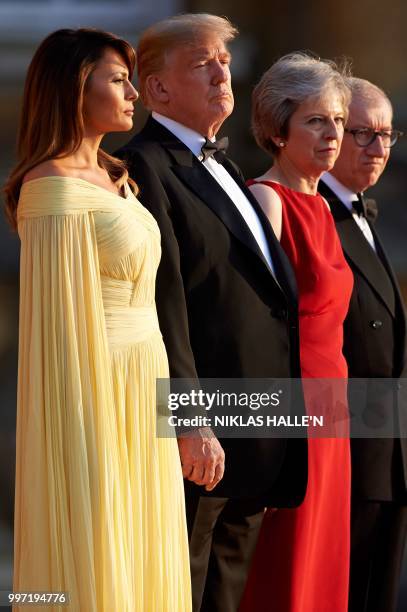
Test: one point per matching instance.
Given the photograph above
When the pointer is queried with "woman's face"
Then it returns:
(315, 133)
(109, 96)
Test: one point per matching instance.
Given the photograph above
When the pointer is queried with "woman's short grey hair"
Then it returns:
(292, 80)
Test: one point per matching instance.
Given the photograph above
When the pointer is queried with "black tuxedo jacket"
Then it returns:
(374, 347)
(221, 312)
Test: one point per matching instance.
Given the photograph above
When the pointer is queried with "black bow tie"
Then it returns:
(210, 148)
(359, 205)
(365, 208)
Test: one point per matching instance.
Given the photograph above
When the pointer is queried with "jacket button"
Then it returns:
(375, 324)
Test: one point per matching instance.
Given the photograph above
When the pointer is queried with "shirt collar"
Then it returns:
(345, 195)
(190, 138)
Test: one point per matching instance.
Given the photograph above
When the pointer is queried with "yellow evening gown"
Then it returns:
(99, 498)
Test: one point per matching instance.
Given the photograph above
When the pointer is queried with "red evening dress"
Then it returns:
(301, 563)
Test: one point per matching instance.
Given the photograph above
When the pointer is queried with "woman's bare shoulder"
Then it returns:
(266, 196)
(271, 204)
(46, 168)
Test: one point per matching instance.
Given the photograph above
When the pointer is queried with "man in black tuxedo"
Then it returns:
(374, 347)
(226, 294)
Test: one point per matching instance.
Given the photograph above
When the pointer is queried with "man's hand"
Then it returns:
(202, 457)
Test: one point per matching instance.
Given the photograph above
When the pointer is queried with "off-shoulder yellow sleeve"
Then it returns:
(70, 489)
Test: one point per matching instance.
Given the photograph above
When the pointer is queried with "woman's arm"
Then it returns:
(271, 205)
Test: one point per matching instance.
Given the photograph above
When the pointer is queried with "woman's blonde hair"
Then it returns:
(51, 124)
(290, 81)
(162, 37)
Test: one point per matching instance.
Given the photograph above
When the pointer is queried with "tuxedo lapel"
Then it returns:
(358, 250)
(199, 180)
(284, 271)
(384, 259)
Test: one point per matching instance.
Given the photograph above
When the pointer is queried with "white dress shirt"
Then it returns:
(194, 142)
(347, 197)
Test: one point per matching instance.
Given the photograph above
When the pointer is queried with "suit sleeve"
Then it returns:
(170, 293)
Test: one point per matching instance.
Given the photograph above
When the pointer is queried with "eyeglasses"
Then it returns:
(365, 136)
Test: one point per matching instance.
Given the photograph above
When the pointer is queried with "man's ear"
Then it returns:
(156, 89)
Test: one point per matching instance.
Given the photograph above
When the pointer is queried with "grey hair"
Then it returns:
(366, 92)
(164, 36)
(291, 80)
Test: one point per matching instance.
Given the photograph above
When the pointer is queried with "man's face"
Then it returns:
(197, 84)
(360, 167)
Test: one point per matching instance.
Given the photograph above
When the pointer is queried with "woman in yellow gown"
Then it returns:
(99, 498)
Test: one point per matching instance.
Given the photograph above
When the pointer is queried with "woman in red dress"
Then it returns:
(299, 109)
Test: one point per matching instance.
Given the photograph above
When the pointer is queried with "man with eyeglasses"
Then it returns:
(374, 347)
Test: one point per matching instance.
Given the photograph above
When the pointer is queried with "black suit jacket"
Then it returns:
(221, 312)
(374, 347)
